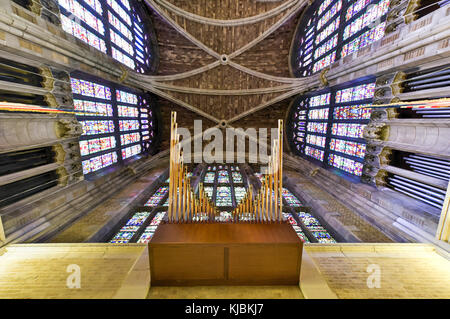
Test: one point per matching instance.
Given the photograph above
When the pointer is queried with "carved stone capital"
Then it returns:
(60, 154)
(48, 82)
(67, 128)
(380, 178)
(323, 76)
(397, 83)
(376, 131)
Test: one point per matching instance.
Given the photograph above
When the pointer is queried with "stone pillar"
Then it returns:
(443, 230)
(25, 130)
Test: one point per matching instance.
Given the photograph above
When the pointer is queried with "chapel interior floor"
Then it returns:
(225, 292)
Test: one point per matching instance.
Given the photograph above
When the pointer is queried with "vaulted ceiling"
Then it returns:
(225, 60)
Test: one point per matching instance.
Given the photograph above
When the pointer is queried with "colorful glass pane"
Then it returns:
(157, 196)
(223, 176)
(223, 196)
(348, 147)
(209, 177)
(346, 164)
(290, 198)
(239, 193)
(237, 177)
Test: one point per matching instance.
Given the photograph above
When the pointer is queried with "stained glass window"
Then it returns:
(334, 135)
(150, 230)
(333, 29)
(125, 234)
(209, 190)
(237, 177)
(290, 198)
(316, 229)
(119, 33)
(296, 228)
(223, 196)
(209, 177)
(157, 196)
(223, 176)
(97, 111)
(239, 193)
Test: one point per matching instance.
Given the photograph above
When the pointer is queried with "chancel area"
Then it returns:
(282, 149)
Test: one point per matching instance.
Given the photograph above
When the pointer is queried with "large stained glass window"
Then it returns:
(333, 29)
(117, 123)
(114, 27)
(333, 126)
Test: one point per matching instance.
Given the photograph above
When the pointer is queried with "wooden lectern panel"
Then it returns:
(225, 254)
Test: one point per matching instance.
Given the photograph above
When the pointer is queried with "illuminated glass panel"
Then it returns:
(316, 229)
(346, 164)
(364, 39)
(319, 100)
(127, 111)
(316, 140)
(329, 14)
(119, 33)
(223, 196)
(209, 190)
(90, 108)
(326, 61)
(90, 89)
(209, 177)
(325, 47)
(151, 229)
(360, 92)
(372, 13)
(317, 127)
(98, 162)
(315, 153)
(353, 112)
(126, 97)
(290, 198)
(131, 151)
(95, 145)
(300, 234)
(333, 26)
(354, 8)
(223, 177)
(237, 177)
(348, 147)
(318, 114)
(157, 196)
(324, 5)
(239, 193)
(97, 127)
(348, 130)
(74, 28)
(130, 138)
(128, 125)
(120, 11)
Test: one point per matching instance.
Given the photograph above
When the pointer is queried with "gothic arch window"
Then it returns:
(118, 122)
(333, 29)
(326, 127)
(114, 27)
